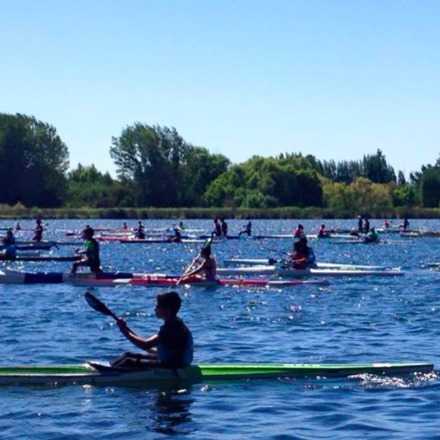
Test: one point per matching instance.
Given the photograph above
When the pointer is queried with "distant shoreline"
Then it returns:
(209, 213)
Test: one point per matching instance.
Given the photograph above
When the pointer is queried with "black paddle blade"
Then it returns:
(97, 305)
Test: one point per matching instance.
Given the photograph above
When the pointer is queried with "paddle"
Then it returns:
(98, 305)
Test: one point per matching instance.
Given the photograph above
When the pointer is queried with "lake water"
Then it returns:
(359, 320)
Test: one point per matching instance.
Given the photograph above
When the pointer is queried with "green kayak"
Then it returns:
(104, 375)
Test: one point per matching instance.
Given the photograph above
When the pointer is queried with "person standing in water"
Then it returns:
(366, 226)
(360, 224)
(38, 231)
(224, 227)
(140, 231)
(247, 229)
(217, 227)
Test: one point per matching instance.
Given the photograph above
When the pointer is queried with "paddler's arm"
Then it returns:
(194, 271)
(142, 343)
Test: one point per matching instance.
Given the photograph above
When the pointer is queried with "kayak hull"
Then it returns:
(89, 279)
(86, 374)
(31, 258)
(154, 281)
(315, 272)
(319, 265)
(160, 241)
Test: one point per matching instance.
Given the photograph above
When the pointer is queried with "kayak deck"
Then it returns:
(86, 374)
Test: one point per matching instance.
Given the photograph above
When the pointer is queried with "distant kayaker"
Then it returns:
(303, 256)
(247, 229)
(38, 231)
(299, 231)
(217, 227)
(124, 226)
(366, 226)
(177, 237)
(10, 248)
(405, 224)
(90, 255)
(224, 227)
(171, 348)
(322, 233)
(140, 231)
(372, 236)
(360, 224)
(204, 266)
(386, 224)
(17, 227)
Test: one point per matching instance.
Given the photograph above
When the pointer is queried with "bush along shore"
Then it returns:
(11, 212)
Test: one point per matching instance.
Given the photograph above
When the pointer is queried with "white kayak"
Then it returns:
(332, 237)
(283, 272)
(323, 265)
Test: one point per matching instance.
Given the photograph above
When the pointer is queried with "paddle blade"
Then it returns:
(97, 305)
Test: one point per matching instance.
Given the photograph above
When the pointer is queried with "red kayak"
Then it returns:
(152, 281)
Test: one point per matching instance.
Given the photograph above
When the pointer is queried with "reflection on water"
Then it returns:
(170, 412)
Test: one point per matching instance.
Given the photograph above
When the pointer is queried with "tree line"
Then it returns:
(156, 167)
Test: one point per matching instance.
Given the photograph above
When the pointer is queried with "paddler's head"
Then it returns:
(88, 232)
(167, 305)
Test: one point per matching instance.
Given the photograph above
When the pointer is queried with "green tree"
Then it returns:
(33, 162)
(430, 187)
(376, 168)
(89, 187)
(263, 182)
(150, 157)
(404, 195)
(199, 170)
(163, 169)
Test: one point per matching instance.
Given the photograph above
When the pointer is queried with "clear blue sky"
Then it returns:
(332, 78)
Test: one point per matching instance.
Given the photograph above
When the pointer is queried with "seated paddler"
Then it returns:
(372, 236)
(89, 256)
(10, 248)
(303, 256)
(203, 267)
(171, 347)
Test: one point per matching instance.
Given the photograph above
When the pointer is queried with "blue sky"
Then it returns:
(336, 79)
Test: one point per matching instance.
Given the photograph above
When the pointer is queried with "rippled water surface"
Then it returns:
(358, 320)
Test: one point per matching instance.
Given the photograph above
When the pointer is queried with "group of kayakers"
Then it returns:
(9, 242)
(404, 227)
(172, 346)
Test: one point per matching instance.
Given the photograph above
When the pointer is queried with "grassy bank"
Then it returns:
(20, 212)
